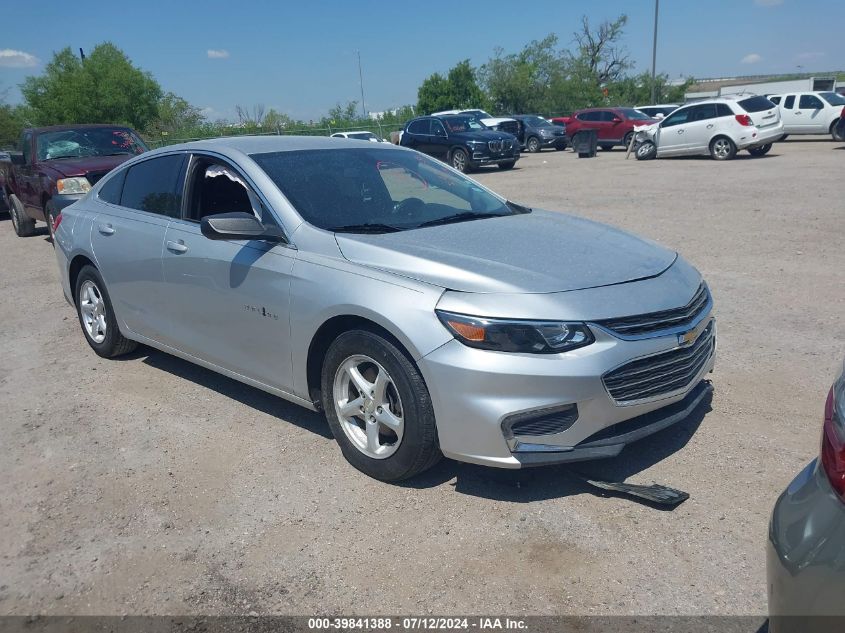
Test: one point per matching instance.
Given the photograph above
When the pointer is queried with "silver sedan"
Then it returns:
(423, 313)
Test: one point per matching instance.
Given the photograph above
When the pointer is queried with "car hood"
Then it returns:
(68, 167)
(494, 121)
(538, 252)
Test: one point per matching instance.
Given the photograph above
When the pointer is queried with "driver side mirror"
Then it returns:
(238, 226)
(616, 119)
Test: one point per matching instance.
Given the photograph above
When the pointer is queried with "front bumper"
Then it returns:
(476, 392)
(805, 562)
(554, 141)
(486, 158)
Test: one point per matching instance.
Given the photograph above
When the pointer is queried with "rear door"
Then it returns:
(438, 143)
(228, 300)
(418, 135)
(790, 114)
(127, 239)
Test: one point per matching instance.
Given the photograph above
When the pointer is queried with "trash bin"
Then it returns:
(587, 143)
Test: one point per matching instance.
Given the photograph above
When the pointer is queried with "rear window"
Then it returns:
(833, 98)
(113, 188)
(756, 104)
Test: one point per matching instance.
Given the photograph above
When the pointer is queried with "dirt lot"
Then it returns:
(148, 485)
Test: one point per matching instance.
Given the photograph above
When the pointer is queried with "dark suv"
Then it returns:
(535, 133)
(461, 141)
(615, 126)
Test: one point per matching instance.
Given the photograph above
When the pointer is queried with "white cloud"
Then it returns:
(17, 59)
(768, 3)
(752, 58)
(217, 53)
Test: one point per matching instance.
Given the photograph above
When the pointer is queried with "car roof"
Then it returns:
(264, 144)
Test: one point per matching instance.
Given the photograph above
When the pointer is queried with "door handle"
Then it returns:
(680, 131)
(106, 229)
(709, 126)
(798, 112)
(177, 247)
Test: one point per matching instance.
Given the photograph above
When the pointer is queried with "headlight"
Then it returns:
(513, 335)
(73, 185)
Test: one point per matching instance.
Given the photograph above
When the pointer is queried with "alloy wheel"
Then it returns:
(368, 406)
(722, 148)
(459, 161)
(93, 310)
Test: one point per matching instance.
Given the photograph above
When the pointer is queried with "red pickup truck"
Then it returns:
(57, 167)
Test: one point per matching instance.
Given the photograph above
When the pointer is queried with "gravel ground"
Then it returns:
(150, 486)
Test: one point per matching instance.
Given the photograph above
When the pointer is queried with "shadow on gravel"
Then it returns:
(549, 482)
(285, 411)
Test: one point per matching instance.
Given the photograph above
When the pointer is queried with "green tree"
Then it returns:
(175, 117)
(458, 90)
(105, 87)
(521, 82)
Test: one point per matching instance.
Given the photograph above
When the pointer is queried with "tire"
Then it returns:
(405, 403)
(532, 145)
(24, 226)
(762, 150)
(626, 142)
(722, 148)
(646, 150)
(50, 214)
(837, 131)
(459, 159)
(507, 165)
(560, 148)
(93, 302)
(576, 138)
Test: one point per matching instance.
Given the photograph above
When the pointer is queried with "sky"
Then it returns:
(300, 57)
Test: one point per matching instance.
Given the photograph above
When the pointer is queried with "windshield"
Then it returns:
(634, 115)
(833, 98)
(536, 121)
(362, 136)
(462, 123)
(358, 190)
(97, 141)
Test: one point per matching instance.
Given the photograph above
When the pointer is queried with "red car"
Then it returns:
(615, 126)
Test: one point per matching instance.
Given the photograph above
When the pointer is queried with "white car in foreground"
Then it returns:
(719, 127)
(359, 136)
(811, 112)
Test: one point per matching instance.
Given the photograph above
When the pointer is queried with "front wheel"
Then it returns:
(722, 148)
(646, 150)
(378, 407)
(507, 165)
(96, 316)
(459, 160)
(50, 214)
(838, 131)
(761, 150)
(533, 145)
(24, 225)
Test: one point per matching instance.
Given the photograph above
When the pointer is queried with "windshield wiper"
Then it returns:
(365, 228)
(463, 216)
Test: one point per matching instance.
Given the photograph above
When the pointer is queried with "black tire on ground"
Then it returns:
(722, 148)
(532, 144)
(762, 150)
(837, 131)
(507, 165)
(50, 214)
(418, 449)
(114, 343)
(24, 225)
(459, 159)
(646, 150)
(576, 138)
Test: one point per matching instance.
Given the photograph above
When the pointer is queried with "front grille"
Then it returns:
(657, 321)
(662, 373)
(500, 145)
(94, 176)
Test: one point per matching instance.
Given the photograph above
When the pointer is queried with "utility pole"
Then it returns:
(361, 81)
(654, 56)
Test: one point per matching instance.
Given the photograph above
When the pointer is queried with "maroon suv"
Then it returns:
(57, 167)
(615, 126)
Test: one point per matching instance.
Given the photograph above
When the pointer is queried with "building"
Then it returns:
(760, 85)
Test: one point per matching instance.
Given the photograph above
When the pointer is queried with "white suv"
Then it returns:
(811, 112)
(719, 127)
